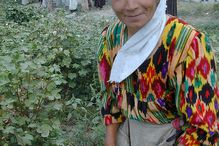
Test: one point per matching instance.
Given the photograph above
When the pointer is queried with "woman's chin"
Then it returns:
(134, 26)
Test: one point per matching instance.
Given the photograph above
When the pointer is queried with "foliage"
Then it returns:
(47, 75)
(20, 14)
(216, 7)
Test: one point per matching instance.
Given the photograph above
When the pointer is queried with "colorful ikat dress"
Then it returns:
(177, 81)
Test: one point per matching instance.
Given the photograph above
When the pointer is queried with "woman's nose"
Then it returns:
(131, 5)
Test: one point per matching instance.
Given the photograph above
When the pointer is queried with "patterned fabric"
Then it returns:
(177, 81)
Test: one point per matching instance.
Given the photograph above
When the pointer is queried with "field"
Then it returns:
(49, 90)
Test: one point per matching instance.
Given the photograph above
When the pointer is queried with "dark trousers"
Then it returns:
(99, 3)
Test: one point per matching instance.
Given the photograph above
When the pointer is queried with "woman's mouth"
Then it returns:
(133, 18)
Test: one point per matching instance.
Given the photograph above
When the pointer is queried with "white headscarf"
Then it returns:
(137, 49)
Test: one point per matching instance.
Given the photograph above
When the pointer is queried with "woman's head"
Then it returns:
(134, 13)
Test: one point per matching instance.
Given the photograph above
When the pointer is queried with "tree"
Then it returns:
(172, 7)
(50, 5)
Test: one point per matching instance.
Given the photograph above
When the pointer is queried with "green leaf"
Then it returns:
(55, 68)
(9, 129)
(66, 52)
(74, 105)
(51, 97)
(57, 106)
(66, 61)
(69, 101)
(72, 75)
(27, 139)
(69, 116)
(5, 59)
(84, 109)
(44, 130)
(32, 125)
(4, 78)
(72, 84)
(76, 66)
(58, 79)
(51, 56)
(60, 141)
(82, 73)
(56, 124)
(45, 133)
(24, 65)
(51, 86)
(77, 100)
(11, 68)
(85, 62)
(217, 48)
(54, 94)
(31, 101)
(28, 136)
(90, 104)
(7, 103)
(21, 120)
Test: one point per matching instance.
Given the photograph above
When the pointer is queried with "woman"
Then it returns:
(158, 79)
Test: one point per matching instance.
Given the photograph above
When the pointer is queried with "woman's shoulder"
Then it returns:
(179, 32)
(173, 20)
(179, 26)
(109, 37)
(113, 33)
(112, 29)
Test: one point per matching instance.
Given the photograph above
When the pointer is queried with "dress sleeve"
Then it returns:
(110, 111)
(198, 94)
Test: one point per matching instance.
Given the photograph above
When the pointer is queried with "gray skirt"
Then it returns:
(135, 133)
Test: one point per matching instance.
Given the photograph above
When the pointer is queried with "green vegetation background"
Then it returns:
(48, 77)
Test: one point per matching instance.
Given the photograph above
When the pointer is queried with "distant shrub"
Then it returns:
(216, 7)
(20, 14)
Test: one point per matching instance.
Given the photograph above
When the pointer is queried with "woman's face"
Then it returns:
(134, 13)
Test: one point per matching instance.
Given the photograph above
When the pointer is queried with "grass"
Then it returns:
(203, 16)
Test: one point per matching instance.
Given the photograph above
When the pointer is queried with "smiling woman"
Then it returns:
(135, 14)
(158, 79)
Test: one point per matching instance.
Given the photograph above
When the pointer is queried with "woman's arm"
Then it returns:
(110, 111)
(198, 94)
(110, 137)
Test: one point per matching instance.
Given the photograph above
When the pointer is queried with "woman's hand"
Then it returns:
(110, 137)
